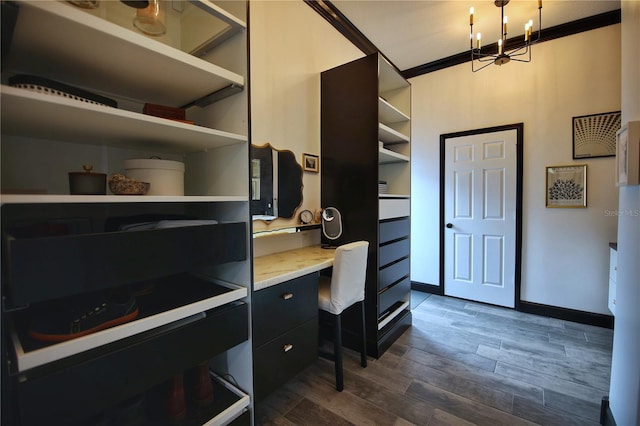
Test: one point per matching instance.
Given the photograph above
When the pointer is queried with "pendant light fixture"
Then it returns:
(520, 52)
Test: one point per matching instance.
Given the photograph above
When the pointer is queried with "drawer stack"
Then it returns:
(285, 332)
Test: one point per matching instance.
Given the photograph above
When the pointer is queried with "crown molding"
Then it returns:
(332, 14)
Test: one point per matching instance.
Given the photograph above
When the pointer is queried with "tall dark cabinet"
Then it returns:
(366, 175)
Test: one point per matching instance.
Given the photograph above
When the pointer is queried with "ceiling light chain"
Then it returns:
(503, 56)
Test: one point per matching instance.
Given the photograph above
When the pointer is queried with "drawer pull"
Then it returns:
(287, 347)
(287, 296)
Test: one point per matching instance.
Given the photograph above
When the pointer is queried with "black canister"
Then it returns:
(87, 182)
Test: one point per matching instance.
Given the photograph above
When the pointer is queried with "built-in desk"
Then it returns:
(284, 266)
(285, 315)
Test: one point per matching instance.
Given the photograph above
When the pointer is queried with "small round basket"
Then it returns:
(122, 185)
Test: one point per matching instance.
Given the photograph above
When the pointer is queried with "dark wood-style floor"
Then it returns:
(461, 363)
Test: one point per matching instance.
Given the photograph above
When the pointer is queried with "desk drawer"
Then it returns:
(282, 358)
(282, 307)
(80, 386)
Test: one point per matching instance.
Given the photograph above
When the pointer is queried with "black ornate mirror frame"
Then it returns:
(271, 166)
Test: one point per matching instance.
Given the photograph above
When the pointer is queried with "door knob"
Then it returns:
(449, 225)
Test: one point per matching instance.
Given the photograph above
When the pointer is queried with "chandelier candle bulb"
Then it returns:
(471, 14)
(479, 40)
(499, 46)
(504, 25)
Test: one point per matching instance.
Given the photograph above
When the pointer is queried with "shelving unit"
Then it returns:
(366, 137)
(199, 309)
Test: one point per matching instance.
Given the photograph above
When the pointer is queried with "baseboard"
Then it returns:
(426, 288)
(572, 315)
(606, 416)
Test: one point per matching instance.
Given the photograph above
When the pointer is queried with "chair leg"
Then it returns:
(363, 352)
(337, 353)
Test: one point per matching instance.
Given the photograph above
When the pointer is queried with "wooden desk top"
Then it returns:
(284, 266)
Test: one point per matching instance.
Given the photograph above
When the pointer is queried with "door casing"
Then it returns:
(519, 127)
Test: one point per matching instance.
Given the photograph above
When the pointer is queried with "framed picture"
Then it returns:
(595, 135)
(566, 186)
(310, 163)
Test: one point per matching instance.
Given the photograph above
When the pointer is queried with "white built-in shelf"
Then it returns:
(388, 135)
(386, 156)
(31, 114)
(27, 359)
(61, 42)
(389, 114)
(389, 77)
(63, 199)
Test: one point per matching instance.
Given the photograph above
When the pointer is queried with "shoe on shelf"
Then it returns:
(79, 316)
(202, 386)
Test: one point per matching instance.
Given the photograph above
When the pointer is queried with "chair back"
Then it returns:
(349, 274)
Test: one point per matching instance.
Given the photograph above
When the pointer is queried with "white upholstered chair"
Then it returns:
(344, 288)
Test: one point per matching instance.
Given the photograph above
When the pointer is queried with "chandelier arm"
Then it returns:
(482, 57)
(482, 67)
(523, 50)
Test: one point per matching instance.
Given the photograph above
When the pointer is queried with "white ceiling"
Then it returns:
(415, 32)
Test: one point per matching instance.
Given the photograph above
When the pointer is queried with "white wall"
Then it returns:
(291, 45)
(565, 251)
(624, 392)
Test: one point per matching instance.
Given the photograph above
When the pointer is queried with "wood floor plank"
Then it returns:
(571, 405)
(516, 315)
(442, 418)
(576, 390)
(343, 404)
(441, 348)
(457, 338)
(392, 401)
(586, 354)
(455, 370)
(464, 408)
(594, 376)
(309, 413)
(547, 416)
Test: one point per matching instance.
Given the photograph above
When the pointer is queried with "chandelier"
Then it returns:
(521, 51)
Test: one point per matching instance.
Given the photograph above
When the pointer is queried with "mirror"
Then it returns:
(276, 183)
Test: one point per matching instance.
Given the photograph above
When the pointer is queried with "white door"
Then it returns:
(480, 217)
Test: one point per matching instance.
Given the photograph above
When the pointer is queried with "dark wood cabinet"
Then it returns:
(366, 175)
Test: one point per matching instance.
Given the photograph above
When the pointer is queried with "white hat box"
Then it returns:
(165, 176)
